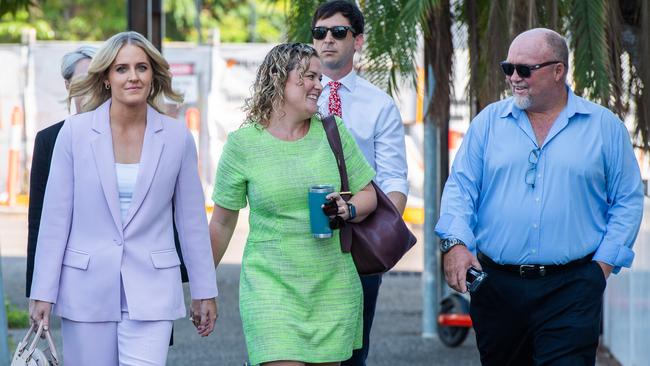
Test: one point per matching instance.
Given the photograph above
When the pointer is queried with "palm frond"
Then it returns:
(498, 38)
(618, 100)
(589, 43)
(419, 9)
(643, 73)
(12, 6)
(299, 17)
(391, 42)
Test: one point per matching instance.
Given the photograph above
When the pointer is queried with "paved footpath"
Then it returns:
(396, 337)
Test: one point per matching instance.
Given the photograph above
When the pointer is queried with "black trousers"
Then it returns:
(547, 321)
(370, 291)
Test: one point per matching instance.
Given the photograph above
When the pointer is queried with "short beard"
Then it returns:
(334, 65)
(523, 103)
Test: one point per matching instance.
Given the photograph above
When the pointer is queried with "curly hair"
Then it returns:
(268, 89)
(91, 87)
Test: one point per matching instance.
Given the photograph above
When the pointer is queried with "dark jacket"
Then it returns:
(41, 160)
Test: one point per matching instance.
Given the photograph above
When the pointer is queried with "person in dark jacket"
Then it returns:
(73, 65)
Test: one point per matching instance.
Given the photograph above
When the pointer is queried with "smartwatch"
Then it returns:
(447, 244)
(352, 210)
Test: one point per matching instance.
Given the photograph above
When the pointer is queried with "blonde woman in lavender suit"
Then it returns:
(105, 259)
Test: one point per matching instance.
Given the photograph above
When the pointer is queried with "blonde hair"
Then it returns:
(268, 89)
(91, 87)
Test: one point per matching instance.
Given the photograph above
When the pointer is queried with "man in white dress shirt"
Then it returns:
(368, 112)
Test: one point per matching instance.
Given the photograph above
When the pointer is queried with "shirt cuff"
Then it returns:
(394, 185)
(450, 226)
(614, 255)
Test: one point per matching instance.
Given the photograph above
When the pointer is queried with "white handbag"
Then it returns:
(32, 355)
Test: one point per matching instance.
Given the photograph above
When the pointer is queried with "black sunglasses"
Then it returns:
(524, 70)
(338, 32)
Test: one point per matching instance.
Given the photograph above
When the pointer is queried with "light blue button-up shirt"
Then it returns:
(373, 119)
(587, 194)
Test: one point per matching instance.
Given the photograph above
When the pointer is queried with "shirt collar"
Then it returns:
(575, 105)
(349, 81)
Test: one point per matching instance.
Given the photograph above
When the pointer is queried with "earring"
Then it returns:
(107, 86)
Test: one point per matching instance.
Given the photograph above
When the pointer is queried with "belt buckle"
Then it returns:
(524, 268)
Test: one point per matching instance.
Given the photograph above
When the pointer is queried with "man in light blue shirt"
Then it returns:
(546, 191)
(371, 116)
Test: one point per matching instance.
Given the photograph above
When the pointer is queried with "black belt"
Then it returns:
(533, 270)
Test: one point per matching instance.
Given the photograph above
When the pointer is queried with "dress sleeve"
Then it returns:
(192, 226)
(231, 182)
(56, 219)
(360, 173)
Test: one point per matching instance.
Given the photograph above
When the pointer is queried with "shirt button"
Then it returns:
(533, 251)
(534, 226)
(537, 199)
(539, 175)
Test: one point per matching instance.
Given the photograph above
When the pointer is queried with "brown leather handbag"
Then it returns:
(378, 242)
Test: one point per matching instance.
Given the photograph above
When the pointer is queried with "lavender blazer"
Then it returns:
(84, 248)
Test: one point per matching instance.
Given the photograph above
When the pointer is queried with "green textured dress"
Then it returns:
(300, 298)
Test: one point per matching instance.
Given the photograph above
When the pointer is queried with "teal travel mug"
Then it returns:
(320, 225)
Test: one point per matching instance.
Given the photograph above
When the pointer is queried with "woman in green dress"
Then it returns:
(300, 298)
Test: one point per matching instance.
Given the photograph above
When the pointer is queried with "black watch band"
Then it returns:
(352, 211)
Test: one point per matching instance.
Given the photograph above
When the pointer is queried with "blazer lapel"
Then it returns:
(152, 148)
(102, 146)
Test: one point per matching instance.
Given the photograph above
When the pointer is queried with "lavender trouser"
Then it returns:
(124, 343)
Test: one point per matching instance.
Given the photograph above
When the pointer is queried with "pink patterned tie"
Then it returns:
(335, 100)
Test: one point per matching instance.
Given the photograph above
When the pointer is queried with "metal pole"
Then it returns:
(149, 34)
(430, 276)
(197, 21)
(146, 18)
(5, 356)
(252, 22)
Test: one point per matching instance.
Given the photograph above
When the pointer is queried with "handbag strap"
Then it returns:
(37, 337)
(55, 355)
(334, 139)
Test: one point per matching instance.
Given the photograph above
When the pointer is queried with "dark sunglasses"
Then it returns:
(533, 159)
(338, 32)
(524, 70)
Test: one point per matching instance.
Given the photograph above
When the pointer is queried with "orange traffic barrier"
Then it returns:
(455, 320)
(193, 119)
(193, 122)
(17, 120)
(455, 138)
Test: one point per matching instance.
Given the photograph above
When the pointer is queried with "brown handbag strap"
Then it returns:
(334, 138)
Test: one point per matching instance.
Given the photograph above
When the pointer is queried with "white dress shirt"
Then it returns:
(373, 119)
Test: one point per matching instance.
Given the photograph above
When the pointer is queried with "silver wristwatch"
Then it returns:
(447, 244)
